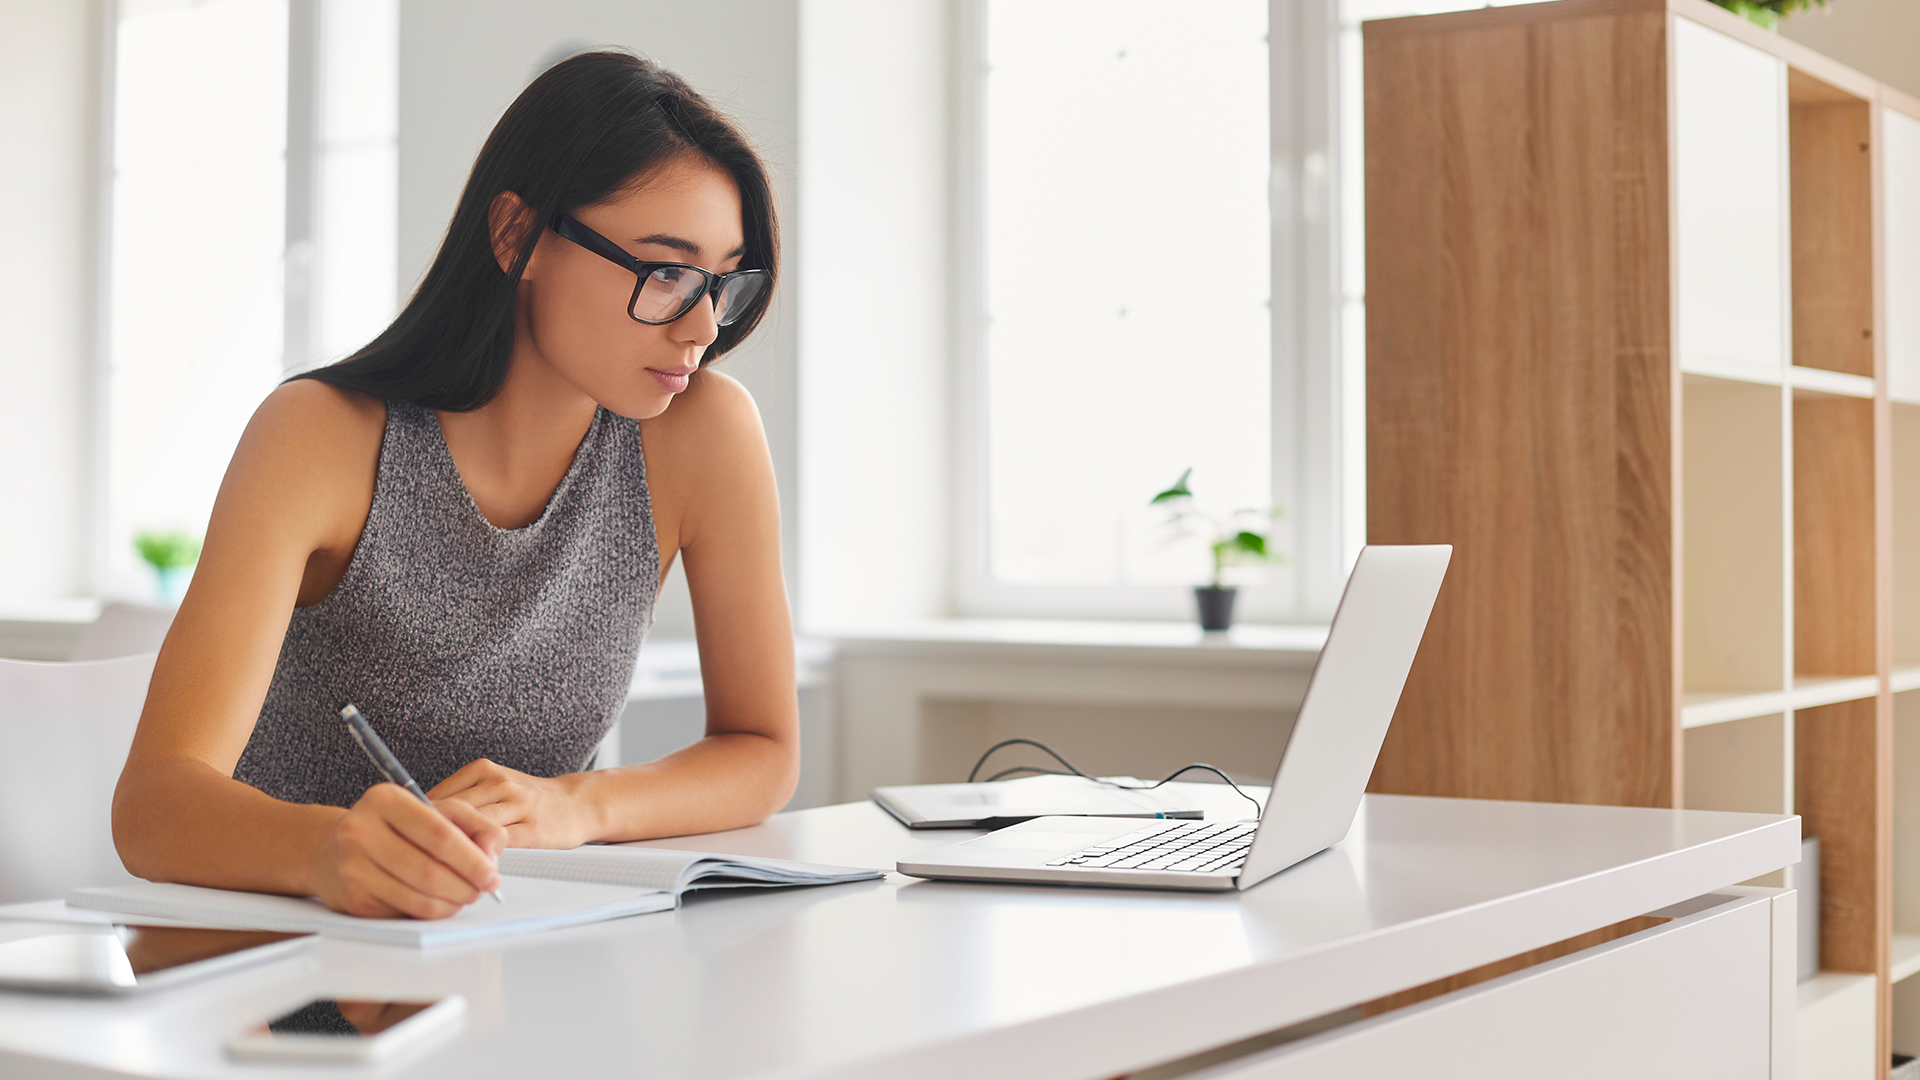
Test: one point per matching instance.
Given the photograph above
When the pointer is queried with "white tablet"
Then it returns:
(130, 958)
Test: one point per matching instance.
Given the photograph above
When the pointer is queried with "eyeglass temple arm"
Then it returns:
(569, 229)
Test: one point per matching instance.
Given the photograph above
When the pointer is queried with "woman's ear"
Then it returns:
(509, 220)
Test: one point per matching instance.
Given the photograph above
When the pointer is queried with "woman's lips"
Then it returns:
(673, 382)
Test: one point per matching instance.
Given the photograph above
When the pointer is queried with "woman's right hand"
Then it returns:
(393, 856)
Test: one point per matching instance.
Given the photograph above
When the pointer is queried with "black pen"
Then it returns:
(383, 760)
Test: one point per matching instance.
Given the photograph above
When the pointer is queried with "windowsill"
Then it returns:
(1056, 640)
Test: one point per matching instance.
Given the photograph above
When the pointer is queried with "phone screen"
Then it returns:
(344, 1018)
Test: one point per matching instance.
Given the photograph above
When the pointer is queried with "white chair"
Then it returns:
(65, 730)
(123, 629)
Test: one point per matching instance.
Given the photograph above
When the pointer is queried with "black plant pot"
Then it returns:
(1216, 605)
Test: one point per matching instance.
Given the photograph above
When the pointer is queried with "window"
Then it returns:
(1143, 179)
(251, 233)
(198, 224)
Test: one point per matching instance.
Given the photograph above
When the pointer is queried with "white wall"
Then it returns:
(874, 209)
(462, 62)
(49, 109)
(1879, 38)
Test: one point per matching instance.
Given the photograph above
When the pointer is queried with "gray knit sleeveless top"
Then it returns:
(459, 640)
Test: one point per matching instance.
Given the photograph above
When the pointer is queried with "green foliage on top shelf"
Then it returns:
(164, 550)
(1767, 12)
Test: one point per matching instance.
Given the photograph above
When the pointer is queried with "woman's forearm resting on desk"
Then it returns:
(724, 781)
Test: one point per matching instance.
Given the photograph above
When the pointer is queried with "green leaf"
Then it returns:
(1767, 13)
(1250, 542)
(172, 548)
(1179, 490)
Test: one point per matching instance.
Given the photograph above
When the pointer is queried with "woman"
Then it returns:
(462, 529)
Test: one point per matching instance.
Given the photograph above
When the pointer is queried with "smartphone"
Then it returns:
(350, 1030)
(129, 958)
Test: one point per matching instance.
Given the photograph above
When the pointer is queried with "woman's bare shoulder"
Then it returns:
(707, 460)
(310, 422)
(311, 408)
(715, 411)
(310, 444)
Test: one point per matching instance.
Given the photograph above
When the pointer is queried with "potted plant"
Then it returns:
(172, 554)
(1767, 12)
(1234, 539)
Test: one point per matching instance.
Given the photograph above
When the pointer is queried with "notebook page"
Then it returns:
(532, 904)
(640, 868)
(664, 868)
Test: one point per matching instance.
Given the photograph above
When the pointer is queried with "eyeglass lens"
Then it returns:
(670, 291)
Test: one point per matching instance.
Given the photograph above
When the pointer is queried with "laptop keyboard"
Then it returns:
(1195, 846)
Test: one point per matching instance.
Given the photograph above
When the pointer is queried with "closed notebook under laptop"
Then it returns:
(1008, 802)
(1329, 754)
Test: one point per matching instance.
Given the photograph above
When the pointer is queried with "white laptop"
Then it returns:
(1323, 770)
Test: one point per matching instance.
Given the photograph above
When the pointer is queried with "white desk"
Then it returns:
(906, 978)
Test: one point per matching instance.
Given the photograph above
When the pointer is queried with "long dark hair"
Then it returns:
(581, 132)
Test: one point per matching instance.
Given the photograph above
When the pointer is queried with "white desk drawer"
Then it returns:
(1699, 998)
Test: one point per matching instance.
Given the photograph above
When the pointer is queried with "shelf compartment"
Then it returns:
(1900, 188)
(1837, 797)
(1905, 679)
(1906, 956)
(1830, 192)
(1906, 828)
(1833, 536)
(1734, 538)
(1906, 537)
(1837, 1018)
(1742, 765)
(1730, 181)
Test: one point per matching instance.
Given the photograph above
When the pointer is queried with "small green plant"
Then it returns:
(169, 550)
(1232, 540)
(1767, 13)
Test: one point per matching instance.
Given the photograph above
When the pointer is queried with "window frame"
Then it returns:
(1316, 474)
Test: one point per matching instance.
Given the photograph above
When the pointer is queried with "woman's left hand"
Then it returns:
(536, 811)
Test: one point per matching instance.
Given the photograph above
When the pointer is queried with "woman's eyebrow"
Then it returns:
(688, 246)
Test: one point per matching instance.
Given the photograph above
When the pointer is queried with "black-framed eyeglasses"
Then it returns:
(664, 291)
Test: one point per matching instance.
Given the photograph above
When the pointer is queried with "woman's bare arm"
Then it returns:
(288, 515)
(715, 504)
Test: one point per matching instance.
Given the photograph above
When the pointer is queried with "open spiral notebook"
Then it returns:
(545, 889)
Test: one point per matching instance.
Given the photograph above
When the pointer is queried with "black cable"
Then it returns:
(1258, 810)
(1043, 747)
(1004, 773)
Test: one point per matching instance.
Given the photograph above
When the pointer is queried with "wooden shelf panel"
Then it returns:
(1829, 141)
(1906, 678)
(1534, 379)
(1833, 535)
(1838, 799)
